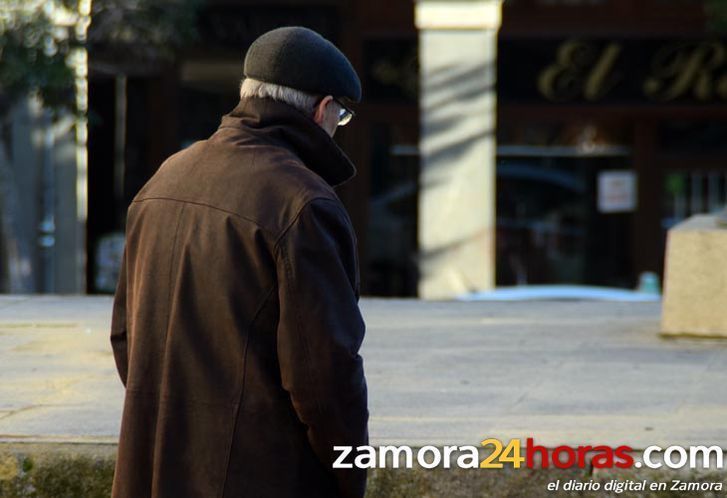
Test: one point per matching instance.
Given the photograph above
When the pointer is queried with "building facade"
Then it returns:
(139, 116)
(612, 121)
(530, 142)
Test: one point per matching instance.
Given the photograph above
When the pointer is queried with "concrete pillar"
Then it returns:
(38, 181)
(19, 207)
(457, 48)
(69, 258)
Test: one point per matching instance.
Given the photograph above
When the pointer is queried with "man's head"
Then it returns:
(298, 66)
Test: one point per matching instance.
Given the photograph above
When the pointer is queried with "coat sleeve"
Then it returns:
(119, 342)
(320, 332)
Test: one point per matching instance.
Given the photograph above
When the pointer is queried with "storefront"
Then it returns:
(612, 122)
(167, 108)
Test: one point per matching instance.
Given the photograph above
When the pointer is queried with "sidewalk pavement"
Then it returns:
(438, 373)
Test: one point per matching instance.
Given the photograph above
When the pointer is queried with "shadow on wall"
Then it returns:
(454, 99)
(458, 106)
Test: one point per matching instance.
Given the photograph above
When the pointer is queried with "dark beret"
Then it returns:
(300, 58)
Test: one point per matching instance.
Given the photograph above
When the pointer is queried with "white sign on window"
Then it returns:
(617, 191)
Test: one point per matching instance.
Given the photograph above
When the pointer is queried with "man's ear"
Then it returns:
(320, 114)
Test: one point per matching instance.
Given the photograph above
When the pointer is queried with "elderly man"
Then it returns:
(236, 326)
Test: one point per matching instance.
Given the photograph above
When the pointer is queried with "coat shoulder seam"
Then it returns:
(203, 204)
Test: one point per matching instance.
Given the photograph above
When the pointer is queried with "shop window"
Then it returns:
(695, 180)
(391, 266)
(703, 137)
(552, 226)
(391, 70)
(687, 193)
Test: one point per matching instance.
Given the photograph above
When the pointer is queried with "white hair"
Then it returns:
(302, 101)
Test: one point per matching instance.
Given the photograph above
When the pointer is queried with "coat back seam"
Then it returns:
(172, 279)
(242, 389)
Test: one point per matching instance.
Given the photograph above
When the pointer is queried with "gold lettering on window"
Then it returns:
(580, 70)
(687, 68)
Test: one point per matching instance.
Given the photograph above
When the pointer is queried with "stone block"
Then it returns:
(695, 279)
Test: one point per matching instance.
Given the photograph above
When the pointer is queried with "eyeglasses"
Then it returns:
(345, 115)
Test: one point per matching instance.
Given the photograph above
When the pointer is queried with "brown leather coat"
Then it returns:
(236, 326)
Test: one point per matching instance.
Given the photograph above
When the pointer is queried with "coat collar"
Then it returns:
(288, 127)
